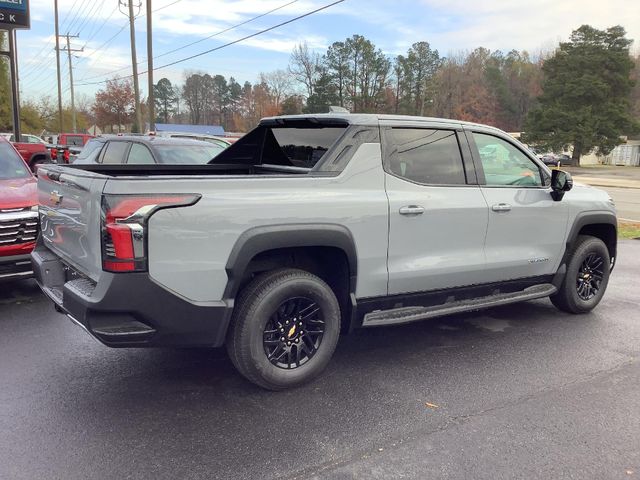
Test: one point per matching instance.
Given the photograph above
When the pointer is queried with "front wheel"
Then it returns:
(587, 276)
(284, 329)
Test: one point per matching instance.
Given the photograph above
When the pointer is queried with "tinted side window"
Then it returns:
(504, 164)
(115, 152)
(139, 154)
(426, 156)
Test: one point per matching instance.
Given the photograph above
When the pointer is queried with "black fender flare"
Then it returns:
(583, 219)
(261, 239)
(591, 218)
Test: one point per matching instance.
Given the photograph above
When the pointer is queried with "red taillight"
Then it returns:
(124, 222)
(54, 153)
(65, 156)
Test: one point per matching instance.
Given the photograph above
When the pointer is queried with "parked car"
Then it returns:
(148, 150)
(24, 138)
(549, 159)
(314, 225)
(32, 149)
(220, 141)
(18, 214)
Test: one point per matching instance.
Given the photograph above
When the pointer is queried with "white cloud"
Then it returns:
(452, 25)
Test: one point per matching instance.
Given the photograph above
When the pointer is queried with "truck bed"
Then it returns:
(172, 170)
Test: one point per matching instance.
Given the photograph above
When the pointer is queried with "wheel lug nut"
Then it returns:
(288, 344)
(282, 330)
(297, 340)
(287, 322)
(282, 339)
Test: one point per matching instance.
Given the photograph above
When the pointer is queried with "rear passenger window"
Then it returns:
(426, 156)
(140, 155)
(114, 153)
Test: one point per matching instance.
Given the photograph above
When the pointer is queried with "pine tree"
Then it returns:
(586, 94)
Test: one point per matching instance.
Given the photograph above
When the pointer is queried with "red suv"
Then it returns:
(18, 214)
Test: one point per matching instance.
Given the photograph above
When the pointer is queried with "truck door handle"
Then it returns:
(412, 210)
(501, 207)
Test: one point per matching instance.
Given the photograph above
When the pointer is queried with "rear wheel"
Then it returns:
(587, 276)
(284, 329)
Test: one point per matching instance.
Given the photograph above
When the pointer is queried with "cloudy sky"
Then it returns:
(448, 25)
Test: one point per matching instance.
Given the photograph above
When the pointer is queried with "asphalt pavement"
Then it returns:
(521, 391)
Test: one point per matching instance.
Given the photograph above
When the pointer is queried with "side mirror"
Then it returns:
(561, 182)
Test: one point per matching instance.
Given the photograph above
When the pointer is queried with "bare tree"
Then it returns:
(305, 67)
(278, 84)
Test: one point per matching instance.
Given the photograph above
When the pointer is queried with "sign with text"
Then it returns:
(14, 14)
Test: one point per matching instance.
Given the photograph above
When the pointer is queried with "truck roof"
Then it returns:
(371, 119)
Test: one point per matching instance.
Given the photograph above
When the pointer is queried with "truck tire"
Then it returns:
(284, 329)
(588, 269)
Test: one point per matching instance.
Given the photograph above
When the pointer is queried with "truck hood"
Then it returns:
(18, 193)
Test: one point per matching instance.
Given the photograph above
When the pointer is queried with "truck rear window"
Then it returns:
(303, 147)
(11, 165)
(75, 141)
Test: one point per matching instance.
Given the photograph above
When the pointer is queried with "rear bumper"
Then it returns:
(15, 267)
(129, 309)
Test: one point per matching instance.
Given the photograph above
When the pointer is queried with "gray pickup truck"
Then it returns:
(314, 225)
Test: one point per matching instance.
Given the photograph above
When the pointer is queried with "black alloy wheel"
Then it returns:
(590, 276)
(293, 333)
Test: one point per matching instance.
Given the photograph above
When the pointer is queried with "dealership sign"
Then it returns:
(14, 14)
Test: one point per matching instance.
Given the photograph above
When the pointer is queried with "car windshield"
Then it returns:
(91, 149)
(187, 154)
(11, 165)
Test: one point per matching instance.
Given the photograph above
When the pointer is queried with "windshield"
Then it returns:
(187, 154)
(11, 165)
(91, 149)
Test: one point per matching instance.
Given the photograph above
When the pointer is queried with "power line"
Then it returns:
(76, 16)
(197, 41)
(247, 37)
(164, 6)
(91, 14)
(99, 29)
(69, 12)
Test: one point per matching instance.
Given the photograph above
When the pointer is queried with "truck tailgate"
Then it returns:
(70, 209)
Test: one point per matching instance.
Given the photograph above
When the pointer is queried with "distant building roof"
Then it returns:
(201, 129)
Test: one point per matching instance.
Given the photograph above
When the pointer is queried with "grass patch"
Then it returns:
(628, 230)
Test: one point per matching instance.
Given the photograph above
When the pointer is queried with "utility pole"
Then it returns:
(55, 6)
(134, 58)
(152, 105)
(73, 100)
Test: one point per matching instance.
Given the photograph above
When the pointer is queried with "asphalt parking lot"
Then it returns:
(515, 392)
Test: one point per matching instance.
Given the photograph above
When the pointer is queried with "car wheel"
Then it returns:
(284, 329)
(588, 269)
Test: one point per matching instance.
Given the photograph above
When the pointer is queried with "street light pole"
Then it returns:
(73, 100)
(55, 6)
(134, 61)
(151, 99)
